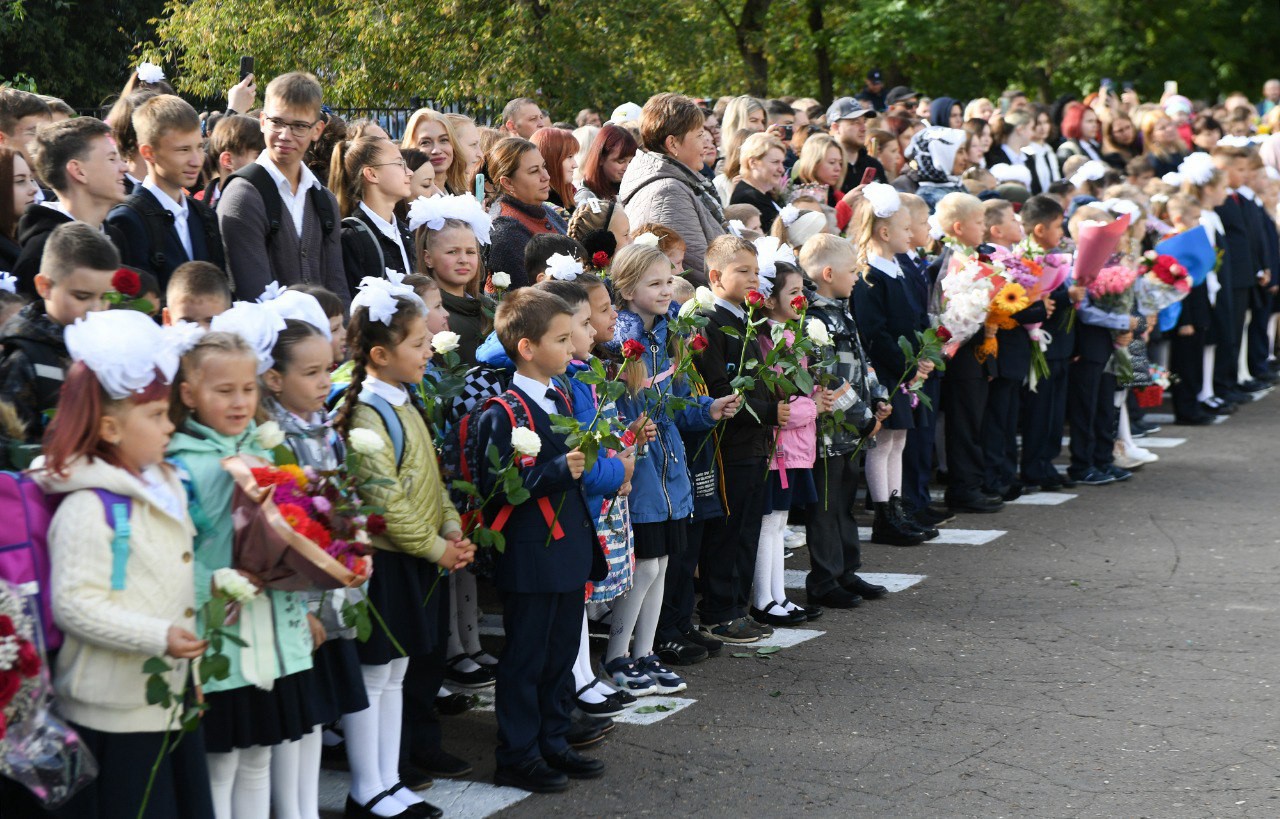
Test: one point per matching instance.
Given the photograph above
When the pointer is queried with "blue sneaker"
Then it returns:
(1118, 473)
(629, 677)
(665, 680)
(1093, 477)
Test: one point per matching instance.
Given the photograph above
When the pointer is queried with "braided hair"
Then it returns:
(363, 335)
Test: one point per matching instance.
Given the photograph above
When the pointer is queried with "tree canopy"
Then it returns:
(574, 53)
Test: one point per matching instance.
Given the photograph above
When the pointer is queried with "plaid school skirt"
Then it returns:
(614, 531)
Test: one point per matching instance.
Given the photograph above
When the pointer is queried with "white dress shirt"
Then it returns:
(180, 212)
(537, 391)
(393, 394)
(889, 267)
(295, 203)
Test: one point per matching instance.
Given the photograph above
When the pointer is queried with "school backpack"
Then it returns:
(260, 178)
(158, 220)
(24, 545)
(461, 458)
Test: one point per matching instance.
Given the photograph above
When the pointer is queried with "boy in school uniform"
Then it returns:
(1013, 365)
(549, 557)
(79, 160)
(197, 291)
(727, 562)
(835, 555)
(161, 227)
(1044, 410)
(21, 115)
(75, 274)
(1243, 271)
(278, 222)
(235, 142)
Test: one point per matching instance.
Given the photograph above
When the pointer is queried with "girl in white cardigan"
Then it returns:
(122, 571)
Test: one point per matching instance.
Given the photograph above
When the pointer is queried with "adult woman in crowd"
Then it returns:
(662, 183)
(468, 144)
(558, 148)
(1120, 141)
(946, 112)
(1042, 160)
(521, 210)
(981, 108)
(1079, 132)
(607, 161)
(430, 132)
(820, 171)
(1011, 136)
(884, 146)
(743, 112)
(1164, 148)
(762, 170)
(586, 136)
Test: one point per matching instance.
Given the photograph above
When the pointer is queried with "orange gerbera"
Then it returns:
(294, 514)
(1011, 299)
(294, 471)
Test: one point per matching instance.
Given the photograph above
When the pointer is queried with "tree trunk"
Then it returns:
(749, 35)
(821, 53)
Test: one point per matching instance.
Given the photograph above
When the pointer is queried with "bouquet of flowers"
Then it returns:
(1162, 281)
(37, 750)
(1112, 291)
(1153, 395)
(966, 301)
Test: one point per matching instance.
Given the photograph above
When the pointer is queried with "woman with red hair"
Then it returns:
(1080, 133)
(558, 147)
(607, 161)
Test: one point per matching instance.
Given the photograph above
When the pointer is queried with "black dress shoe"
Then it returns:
(1011, 492)
(681, 652)
(418, 809)
(933, 516)
(575, 765)
(977, 503)
(606, 708)
(478, 677)
(535, 776)
(587, 730)
(355, 810)
(415, 778)
(441, 764)
(837, 598)
(792, 618)
(810, 612)
(1201, 420)
(452, 705)
(866, 590)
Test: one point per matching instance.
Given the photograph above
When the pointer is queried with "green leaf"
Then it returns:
(517, 497)
(499, 542)
(234, 639)
(753, 412)
(492, 454)
(217, 667)
(767, 650)
(653, 709)
(775, 693)
(908, 352)
(731, 332)
(804, 381)
(155, 665)
(743, 655)
(158, 692)
(467, 488)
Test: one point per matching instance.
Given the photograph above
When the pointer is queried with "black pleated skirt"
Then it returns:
(248, 716)
(660, 539)
(338, 676)
(397, 590)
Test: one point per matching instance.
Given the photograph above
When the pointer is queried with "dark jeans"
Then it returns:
(1186, 360)
(677, 596)
(729, 544)
(535, 677)
(917, 458)
(966, 402)
(1226, 361)
(1000, 432)
(1044, 412)
(1091, 406)
(830, 530)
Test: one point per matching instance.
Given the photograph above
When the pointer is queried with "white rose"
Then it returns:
(688, 308)
(501, 280)
(362, 537)
(525, 442)
(817, 333)
(270, 435)
(230, 583)
(365, 441)
(705, 298)
(445, 342)
(646, 240)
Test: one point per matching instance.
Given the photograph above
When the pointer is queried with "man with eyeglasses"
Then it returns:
(278, 222)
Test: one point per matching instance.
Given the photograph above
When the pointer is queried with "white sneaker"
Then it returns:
(795, 538)
(1145, 456)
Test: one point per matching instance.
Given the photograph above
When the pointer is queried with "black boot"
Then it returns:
(887, 530)
(898, 511)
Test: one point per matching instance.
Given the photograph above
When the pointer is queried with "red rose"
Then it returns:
(755, 298)
(944, 334)
(600, 259)
(698, 343)
(6, 625)
(4, 726)
(799, 304)
(377, 524)
(28, 659)
(10, 682)
(632, 349)
(127, 282)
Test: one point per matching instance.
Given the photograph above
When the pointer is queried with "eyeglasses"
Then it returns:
(298, 129)
(404, 166)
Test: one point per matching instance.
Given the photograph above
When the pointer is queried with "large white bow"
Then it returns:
(434, 211)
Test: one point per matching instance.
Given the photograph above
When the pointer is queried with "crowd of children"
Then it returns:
(505, 357)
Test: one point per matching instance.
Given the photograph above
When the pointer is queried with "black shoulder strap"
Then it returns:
(157, 221)
(324, 209)
(256, 175)
(49, 369)
(212, 235)
(357, 224)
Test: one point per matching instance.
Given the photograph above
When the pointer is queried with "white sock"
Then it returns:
(778, 581)
(650, 611)
(284, 780)
(361, 730)
(251, 797)
(309, 748)
(465, 665)
(222, 780)
(444, 692)
(773, 530)
(626, 610)
(878, 468)
(897, 445)
(390, 723)
(1206, 386)
(455, 641)
(583, 676)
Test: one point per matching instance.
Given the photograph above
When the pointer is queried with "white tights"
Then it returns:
(637, 611)
(583, 676)
(295, 777)
(464, 620)
(884, 464)
(769, 584)
(373, 739)
(241, 783)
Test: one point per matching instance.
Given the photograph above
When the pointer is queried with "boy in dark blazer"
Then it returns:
(161, 227)
(549, 555)
(1243, 267)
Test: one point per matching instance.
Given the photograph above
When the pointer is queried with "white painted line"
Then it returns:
(1043, 499)
(893, 582)
(1159, 443)
(782, 638)
(459, 799)
(1158, 417)
(951, 537)
(675, 704)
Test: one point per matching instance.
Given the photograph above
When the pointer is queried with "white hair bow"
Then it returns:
(257, 324)
(434, 211)
(935, 228)
(271, 292)
(1091, 171)
(124, 348)
(649, 239)
(769, 251)
(380, 298)
(1121, 207)
(789, 214)
(1197, 168)
(1172, 178)
(884, 199)
(149, 72)
(8, 282)
(563, 267)
(735, 227)
(294, 304)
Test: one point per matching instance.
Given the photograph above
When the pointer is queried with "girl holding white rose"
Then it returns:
(271, 695)
(381, 419)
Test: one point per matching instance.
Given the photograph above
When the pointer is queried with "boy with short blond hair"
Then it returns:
(279, 223)
(162, 227)
(835, 555)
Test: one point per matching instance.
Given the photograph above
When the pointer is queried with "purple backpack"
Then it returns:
(24, 548)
